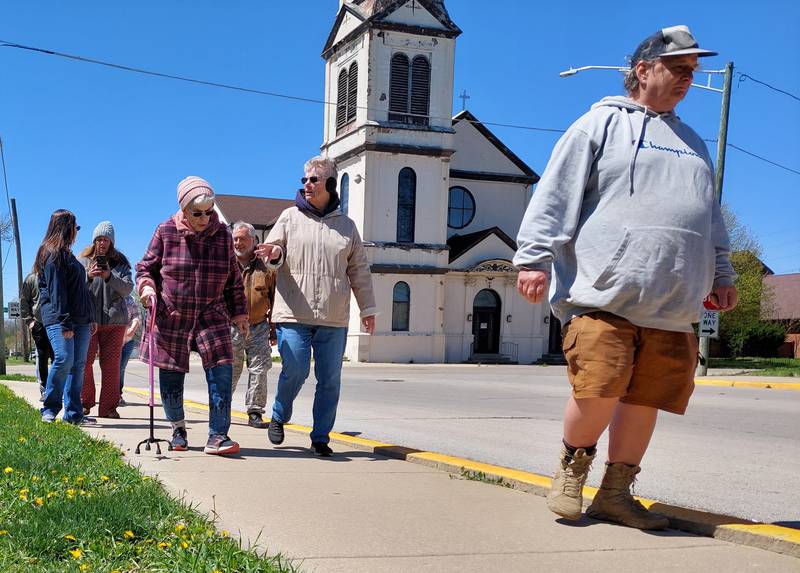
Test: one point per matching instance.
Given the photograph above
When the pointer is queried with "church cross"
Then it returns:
(464, 97)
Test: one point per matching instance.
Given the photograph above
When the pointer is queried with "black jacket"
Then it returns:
(63, 293)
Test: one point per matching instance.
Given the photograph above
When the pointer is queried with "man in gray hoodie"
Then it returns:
(626, 217)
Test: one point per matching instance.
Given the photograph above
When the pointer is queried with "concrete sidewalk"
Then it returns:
(360, 511)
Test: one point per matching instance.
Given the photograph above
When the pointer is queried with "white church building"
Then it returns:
(438, 199)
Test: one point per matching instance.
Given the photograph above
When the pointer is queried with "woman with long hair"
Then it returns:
(67, 314)
(110, 283)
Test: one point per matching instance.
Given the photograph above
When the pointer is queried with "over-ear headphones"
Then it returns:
(330, 185)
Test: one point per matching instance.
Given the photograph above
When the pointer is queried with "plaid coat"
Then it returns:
(199, 287)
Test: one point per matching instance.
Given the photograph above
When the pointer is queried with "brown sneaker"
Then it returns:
(614, 502)
(566, 492)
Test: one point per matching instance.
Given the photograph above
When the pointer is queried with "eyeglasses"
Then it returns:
(305, 180)
(198, 214)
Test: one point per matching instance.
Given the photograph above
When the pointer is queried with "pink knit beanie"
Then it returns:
(191, 188)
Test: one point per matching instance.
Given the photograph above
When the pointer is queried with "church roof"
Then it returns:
(460, 244)
(261, 212)
(373, 13)
(494, 140)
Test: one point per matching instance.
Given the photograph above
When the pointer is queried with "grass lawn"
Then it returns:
(761, 366)
(70, 503)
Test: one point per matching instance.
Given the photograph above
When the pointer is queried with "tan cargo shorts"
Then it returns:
(608, 357)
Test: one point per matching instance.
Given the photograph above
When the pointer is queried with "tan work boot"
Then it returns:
(614, 502)
(566, 492)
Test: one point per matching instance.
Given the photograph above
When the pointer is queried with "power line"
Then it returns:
(743, 77)
(5, 43)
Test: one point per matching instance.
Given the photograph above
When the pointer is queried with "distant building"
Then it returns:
(784, 293)
(258, 211)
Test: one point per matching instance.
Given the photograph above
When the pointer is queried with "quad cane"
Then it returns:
(150, 346)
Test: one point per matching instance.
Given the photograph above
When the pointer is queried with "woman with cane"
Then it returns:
(191, 272)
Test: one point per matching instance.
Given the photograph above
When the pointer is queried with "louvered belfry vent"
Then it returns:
(352, 92)
(409, 90)
(347, 96)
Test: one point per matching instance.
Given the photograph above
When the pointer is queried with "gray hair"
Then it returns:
(242, 225)
(631, 80)
(324, 164)
(201, 200)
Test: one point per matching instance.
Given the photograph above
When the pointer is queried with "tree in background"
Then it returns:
(743, 331)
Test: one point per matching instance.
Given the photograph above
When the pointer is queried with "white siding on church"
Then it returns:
(476, 153)
(424, 341)
(439, 52)
(526, 329)
(414, 15)
(497, 204)
(431, 209)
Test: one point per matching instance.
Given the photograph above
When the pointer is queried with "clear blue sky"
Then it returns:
(109, 144)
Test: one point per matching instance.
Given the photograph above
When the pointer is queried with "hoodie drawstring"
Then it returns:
(636, 143)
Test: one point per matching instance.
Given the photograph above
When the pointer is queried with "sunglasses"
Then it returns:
(77, 227)
(305, 180)
(198, 214)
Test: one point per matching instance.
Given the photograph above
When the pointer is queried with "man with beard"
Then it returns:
(259, 289)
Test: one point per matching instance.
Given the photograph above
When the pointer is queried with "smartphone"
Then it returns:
(101, 261)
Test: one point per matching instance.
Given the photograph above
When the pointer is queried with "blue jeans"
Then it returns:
(65, 379)
(125, 355)
(219, 396)
(295, 343)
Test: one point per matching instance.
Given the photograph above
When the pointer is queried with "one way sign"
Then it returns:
(709, 324)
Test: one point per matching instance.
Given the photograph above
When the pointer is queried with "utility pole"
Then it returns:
(22, 326)
(2, 315)
(722, 144)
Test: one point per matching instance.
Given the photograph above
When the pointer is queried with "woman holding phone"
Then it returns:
(110, 282)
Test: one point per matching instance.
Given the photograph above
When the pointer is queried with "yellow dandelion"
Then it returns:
(79, 479)
(146, 478)
(225, 533)
(38, 501)
(65, 479)
(35, 478)
(3, 532)
(24, 491)
(51, 494)
(184, 544)
(82, 492)
(180, 527)
(21, 439)
(70, 537)
(23, 497)
(76, 553)
(128, 534)
(104, 478)
(164, 545)
(8, 470)
(84, 567)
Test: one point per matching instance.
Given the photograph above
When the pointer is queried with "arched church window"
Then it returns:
(460, 207)
(401, 307)
(347, 96)
(409, 89)
(406, 204)
(344, 193)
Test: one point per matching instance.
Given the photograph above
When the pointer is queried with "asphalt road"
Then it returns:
(736, 451)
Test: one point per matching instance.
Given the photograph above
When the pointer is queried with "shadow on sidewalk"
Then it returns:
(588, 522)
(297, 452)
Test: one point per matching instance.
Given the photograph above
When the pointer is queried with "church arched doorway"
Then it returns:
(486, 322)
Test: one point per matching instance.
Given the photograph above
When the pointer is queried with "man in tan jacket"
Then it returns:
(321, 260)
(259, 288)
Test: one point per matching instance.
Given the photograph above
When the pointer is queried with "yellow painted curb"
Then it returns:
(747, 384)
(766, 530)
